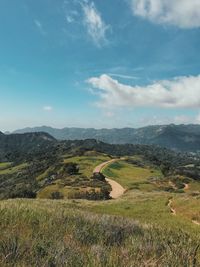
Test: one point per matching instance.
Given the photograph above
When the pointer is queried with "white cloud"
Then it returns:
(182, 92)
(71, 16)
(69, 19)
(96, 27)
(39, 26)
(123, 76)
(47, 108)
(181, 13)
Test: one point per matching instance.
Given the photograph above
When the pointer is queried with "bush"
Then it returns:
(98, 176)
(22, 192)
(71, 168)
(56, 195)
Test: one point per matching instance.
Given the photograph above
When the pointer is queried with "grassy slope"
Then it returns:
(54, 233)
(88, 163)
(130, 176)
(146, 202)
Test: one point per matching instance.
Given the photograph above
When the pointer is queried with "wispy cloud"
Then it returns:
(84, 14)
(123, 76)
(182, 92)
(71, 16)
(47, 108)
(181, 13)
(94, 23)
(39, 26)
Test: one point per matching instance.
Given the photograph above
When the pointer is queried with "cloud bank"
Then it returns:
(181, 13)
(182, 92)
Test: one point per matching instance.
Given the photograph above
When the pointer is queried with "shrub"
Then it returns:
(57, 195)
(71, 168)
(98, 176)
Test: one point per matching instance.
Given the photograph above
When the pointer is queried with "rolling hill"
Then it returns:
(23, 143)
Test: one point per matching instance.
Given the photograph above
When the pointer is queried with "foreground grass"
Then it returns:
(54, 233)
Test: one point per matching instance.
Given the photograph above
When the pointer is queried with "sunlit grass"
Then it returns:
(131, 176)
(188, 207)
(87, 163)
(15, 169)
(46, 192)
(5, 165)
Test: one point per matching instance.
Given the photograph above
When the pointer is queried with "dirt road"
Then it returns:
(117, 189)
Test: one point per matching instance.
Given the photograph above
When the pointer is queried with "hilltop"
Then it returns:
(14, 145)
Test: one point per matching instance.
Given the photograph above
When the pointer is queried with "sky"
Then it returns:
(101, 64)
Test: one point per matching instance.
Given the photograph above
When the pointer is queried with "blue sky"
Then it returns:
(115, 63)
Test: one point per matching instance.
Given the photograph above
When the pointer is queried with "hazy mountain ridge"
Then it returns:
(177, 137)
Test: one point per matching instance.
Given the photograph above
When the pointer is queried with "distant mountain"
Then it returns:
(176, 137)
(14, 144)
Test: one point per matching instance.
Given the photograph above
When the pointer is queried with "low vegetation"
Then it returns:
(49, 233)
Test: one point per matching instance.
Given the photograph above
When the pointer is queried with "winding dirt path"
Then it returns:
(196, 222)
(172, 210)
(186, 187)
(117, 189)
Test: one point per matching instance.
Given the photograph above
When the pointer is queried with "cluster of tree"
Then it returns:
(102, 194)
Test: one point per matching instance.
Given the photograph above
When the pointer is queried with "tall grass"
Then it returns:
(53, 233)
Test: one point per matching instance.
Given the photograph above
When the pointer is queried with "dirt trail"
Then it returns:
(173, 211)
(196, 222)
(117, 189)
(186, 186)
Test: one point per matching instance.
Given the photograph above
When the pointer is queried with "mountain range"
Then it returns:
(176, 137)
